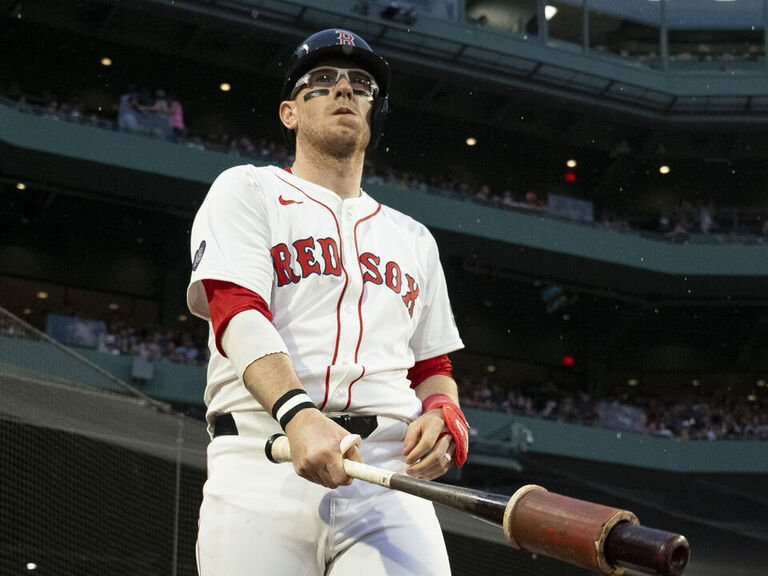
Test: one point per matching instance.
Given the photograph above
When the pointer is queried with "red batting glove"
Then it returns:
(454, 420)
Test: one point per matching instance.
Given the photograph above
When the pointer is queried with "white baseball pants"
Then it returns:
(261, 518)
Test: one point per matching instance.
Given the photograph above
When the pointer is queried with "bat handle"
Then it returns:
(278, 448)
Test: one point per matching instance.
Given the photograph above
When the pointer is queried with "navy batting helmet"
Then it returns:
(336, 43)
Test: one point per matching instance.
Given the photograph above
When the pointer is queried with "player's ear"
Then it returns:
(288, 115)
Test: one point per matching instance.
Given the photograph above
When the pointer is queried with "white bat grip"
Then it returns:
(368, 473)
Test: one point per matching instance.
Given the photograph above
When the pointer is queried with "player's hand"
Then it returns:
(427, 454)
(315, 450)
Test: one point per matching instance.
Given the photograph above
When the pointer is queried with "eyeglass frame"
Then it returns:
(303, 81)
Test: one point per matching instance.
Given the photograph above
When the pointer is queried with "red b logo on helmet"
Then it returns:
(345, 38)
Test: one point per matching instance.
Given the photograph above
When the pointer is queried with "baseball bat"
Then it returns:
(598, 538)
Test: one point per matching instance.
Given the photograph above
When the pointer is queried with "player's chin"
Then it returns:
(344, 141)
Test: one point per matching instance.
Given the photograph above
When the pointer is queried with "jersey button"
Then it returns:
(339, 393)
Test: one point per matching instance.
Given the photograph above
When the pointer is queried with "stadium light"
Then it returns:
(106, 61)
(664, 169)
(550, 12)
(224, 87)
(471, 141)
(632, 382)
(571, 163)
(21, 186)
(42, 295)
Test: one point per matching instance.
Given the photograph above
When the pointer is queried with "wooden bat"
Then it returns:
(599, 538)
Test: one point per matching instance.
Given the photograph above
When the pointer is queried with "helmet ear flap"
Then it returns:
(378, 118)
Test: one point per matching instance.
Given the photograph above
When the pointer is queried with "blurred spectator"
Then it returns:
(705, 218)
(175, 118)
(154, 117)
(128, 111)
(186, 352)
(679, 231)
(397, 12)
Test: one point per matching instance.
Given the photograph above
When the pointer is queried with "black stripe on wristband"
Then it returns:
(293, 411)
(283, 399)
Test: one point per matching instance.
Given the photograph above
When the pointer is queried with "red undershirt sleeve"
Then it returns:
(225, 299)
(423, 369)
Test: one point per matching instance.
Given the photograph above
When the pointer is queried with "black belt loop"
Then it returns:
(225, 425)
(362, 425)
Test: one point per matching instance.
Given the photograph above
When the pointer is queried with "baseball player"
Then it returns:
(328, 315)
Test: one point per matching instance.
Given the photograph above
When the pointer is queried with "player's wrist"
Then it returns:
(290, 404)
(436, 401)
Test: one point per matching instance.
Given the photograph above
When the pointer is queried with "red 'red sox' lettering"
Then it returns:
(371, 262)
(305, 252)
(281, 260)
(331, 256)
(305, 257)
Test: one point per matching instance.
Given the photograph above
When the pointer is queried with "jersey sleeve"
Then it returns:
(436, 331)
(230, 238)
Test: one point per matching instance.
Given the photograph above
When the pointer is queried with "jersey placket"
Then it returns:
(350, 330)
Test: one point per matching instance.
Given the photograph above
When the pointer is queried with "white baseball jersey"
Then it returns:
(356, 289)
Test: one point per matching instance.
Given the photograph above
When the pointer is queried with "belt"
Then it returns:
(363, 425)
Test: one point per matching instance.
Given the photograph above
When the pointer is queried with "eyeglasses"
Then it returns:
(363, 84)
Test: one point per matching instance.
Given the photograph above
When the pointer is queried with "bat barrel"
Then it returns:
(599, 538)
(646, 549)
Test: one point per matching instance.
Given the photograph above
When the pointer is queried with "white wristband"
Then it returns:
(248, 337)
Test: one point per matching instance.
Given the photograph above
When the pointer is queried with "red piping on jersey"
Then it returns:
(359, 303)
(343, 291)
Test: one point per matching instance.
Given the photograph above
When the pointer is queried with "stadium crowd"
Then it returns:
(681, 417)
(182, 347)
(155, 113)
(687, 417)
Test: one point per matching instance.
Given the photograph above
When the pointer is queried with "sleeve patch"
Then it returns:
(198, 256)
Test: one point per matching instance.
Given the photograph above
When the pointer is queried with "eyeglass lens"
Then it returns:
(361, 82)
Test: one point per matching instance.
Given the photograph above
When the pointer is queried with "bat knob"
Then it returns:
(268, 446)
(348, 441)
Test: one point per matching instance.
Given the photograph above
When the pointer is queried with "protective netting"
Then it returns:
(97, 479)
(72, 505)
